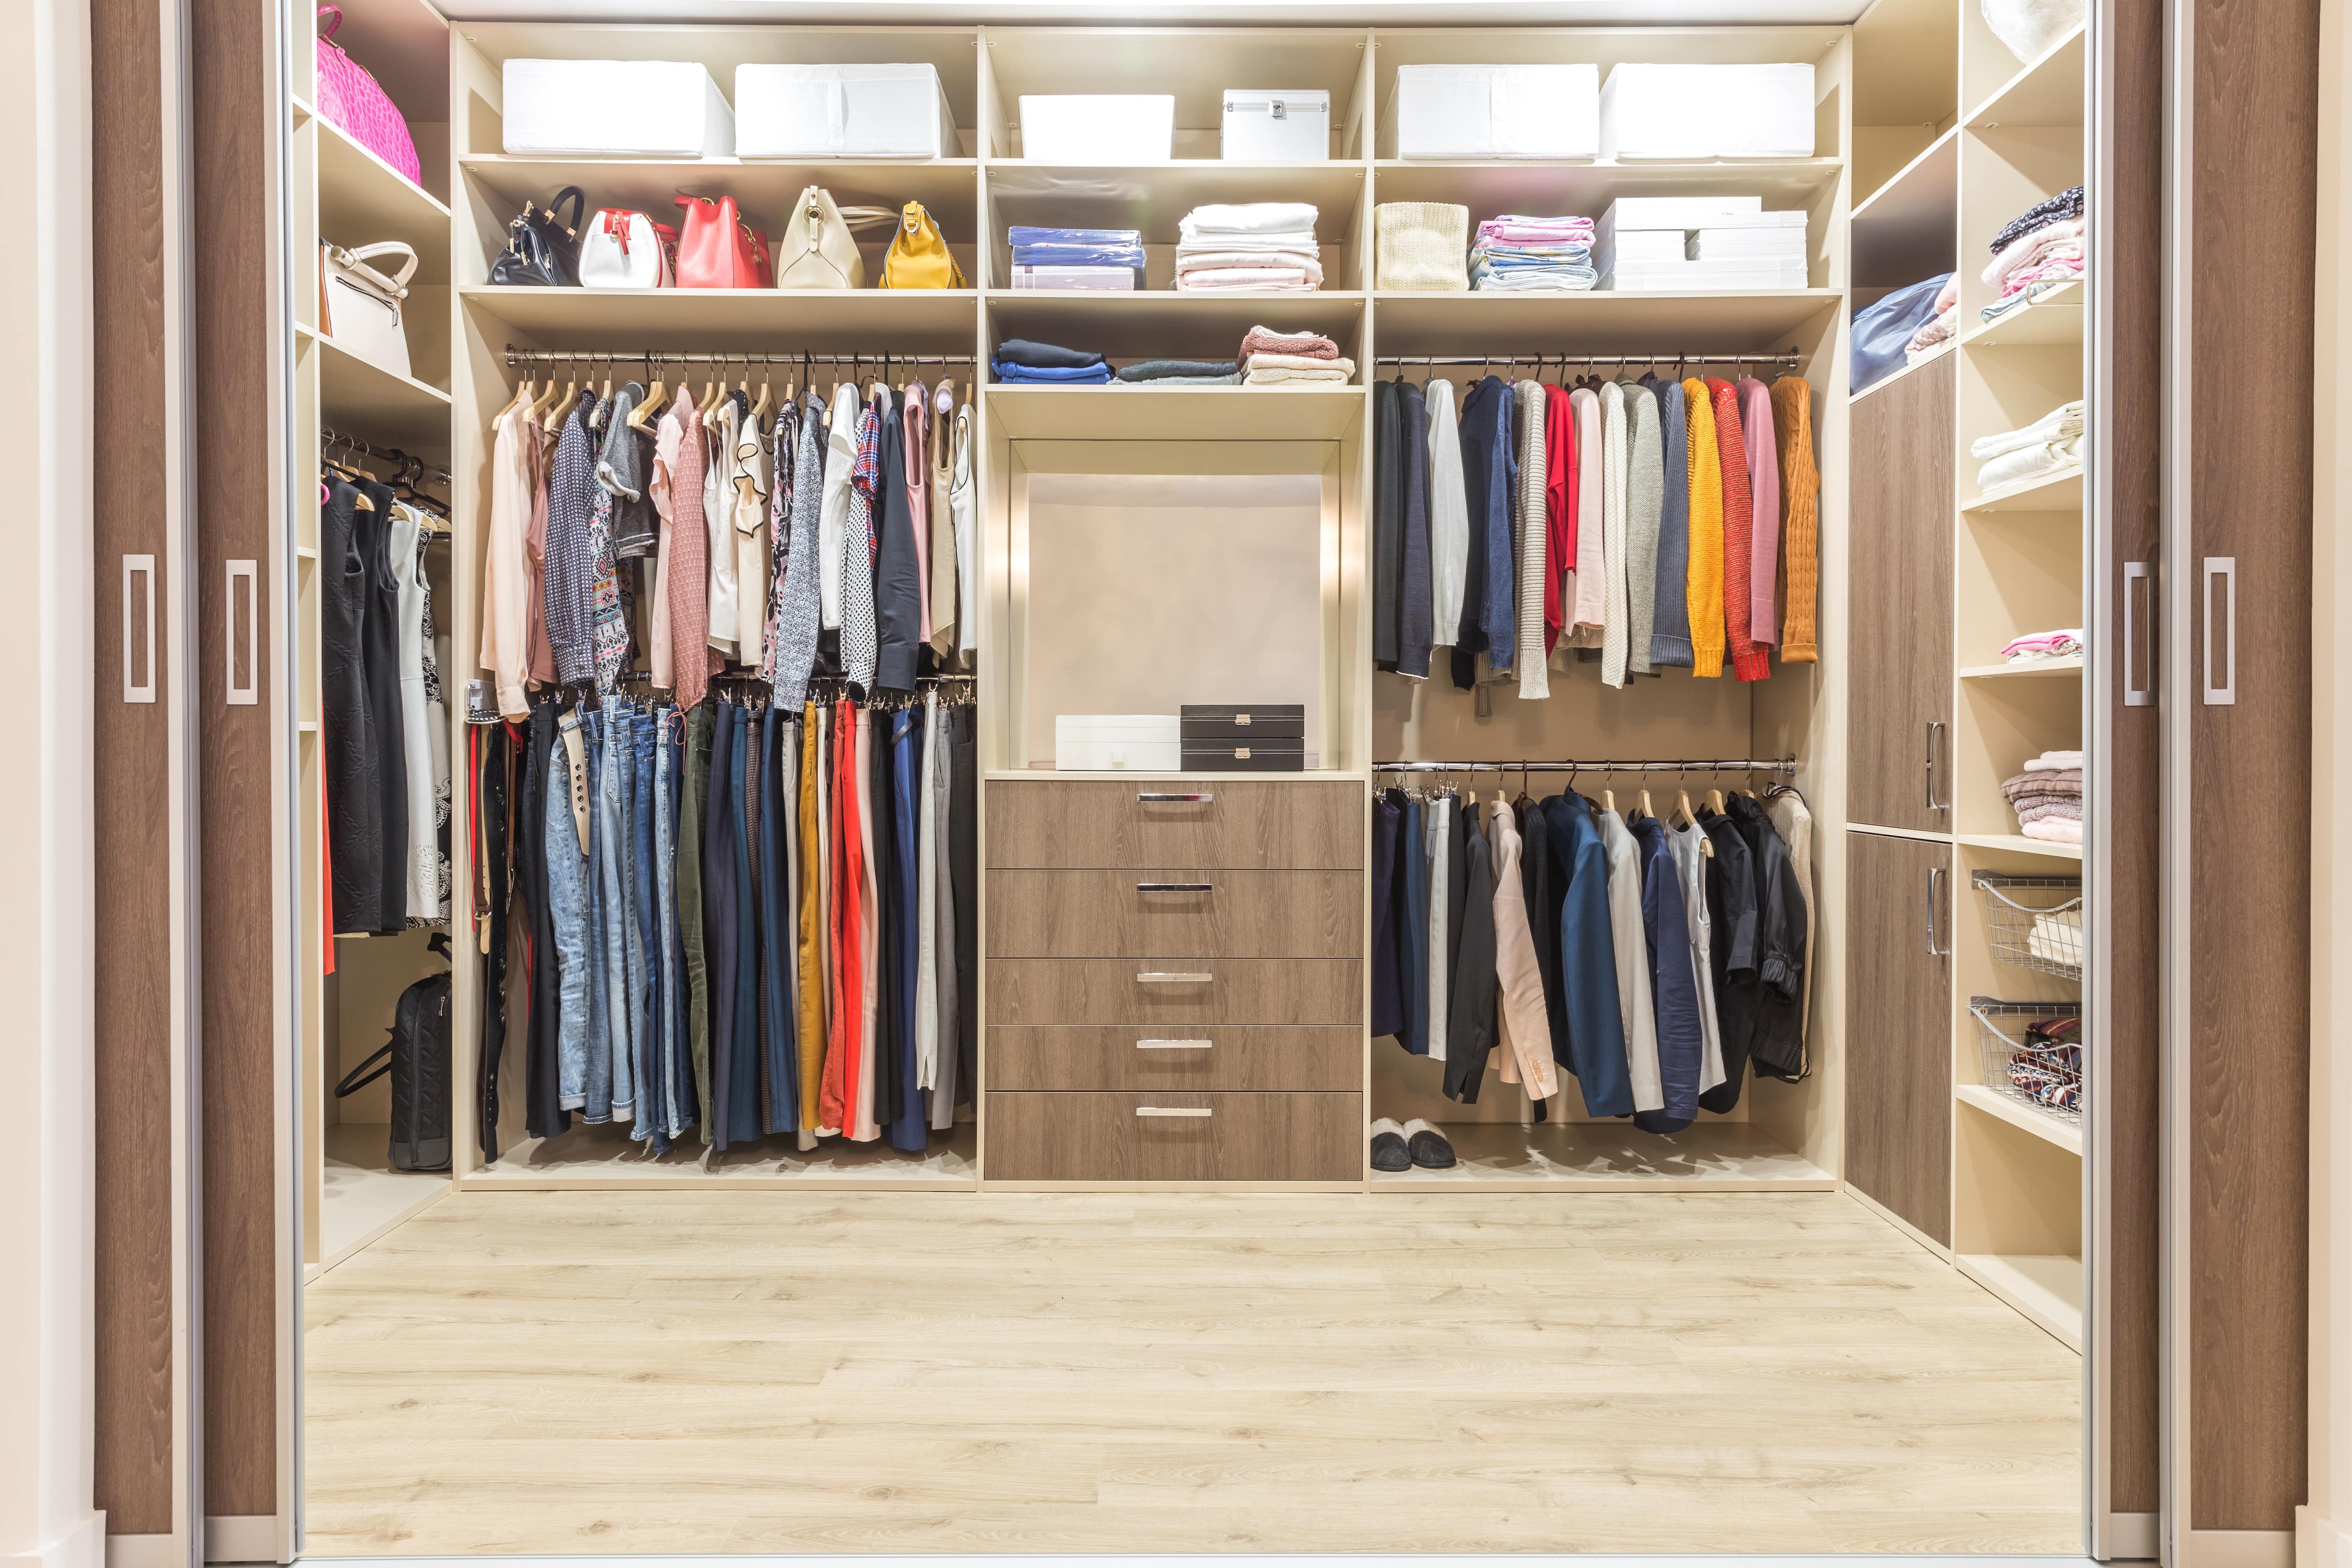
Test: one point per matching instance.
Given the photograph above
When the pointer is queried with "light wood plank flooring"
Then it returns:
(781, 1371)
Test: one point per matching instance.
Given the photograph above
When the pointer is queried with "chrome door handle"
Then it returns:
(1174, 1044)
(1173, 1110)
(2137, 572)
(1175, 799)
(138, 690)
(2223, 694)
(1934, 904)
(1175, 887)
(1172, 977)
(248, 694)
(1935, 727)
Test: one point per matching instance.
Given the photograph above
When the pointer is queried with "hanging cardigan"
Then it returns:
(1801, 488)
(1704, 593)
(1748, 662)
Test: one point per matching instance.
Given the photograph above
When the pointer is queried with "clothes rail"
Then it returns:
(1604, 766)
(1791, 359)
(516, 356)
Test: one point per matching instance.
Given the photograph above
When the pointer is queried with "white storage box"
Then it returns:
(1702, 277)
(1271, 125)
(1729, 244)
(1707, 112)
(1098, 128)
(1676, 212)
(1109, 743)
(616, 108)
(842, 112)
(1494, 111)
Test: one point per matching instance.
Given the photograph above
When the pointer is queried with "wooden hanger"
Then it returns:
(522, 394)
(1608, 800)
(1644, 804)
(764, 402)
(641, 416)
(1715, 800)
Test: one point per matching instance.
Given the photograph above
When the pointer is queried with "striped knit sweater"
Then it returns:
(1748, 662)
(1702, 593)
(1801, 490)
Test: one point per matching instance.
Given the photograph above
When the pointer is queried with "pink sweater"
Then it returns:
(1764, 489)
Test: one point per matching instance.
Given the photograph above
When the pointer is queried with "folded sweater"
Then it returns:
(1044, 356)
(1304, 345)
(1333, 372)
(1247, 217)
(1166, 369)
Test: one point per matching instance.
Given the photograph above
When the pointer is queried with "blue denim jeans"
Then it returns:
(567, 899)
(611, 855)
(652, 1101)
(665, 963)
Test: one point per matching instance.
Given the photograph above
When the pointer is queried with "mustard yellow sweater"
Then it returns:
(1702, 587)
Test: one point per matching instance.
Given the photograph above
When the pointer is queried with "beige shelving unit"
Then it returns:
(2002, 136)
(343, 193)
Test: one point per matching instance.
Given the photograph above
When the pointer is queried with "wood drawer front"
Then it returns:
(1237, 991)
(1085, 824)
(1133, 1056)
(1110, 914)
(1243, 1138)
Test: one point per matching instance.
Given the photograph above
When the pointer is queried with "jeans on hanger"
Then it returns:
(779, 800)
(645, 998)
(665, 956)
(567, 897)
(611, 855)
(718, 934)
(744, 1108)
(908, 1127)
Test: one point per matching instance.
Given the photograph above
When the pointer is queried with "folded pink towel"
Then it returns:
(1307, 345)
(1268, 260)
(1514, 228)
(2045, 645)
(2053, 830)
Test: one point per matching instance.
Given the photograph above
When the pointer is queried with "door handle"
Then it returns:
(1173, 1110)
(249, 694)
(1174, 1044)
(1175, 799)
(1935, 907)
(133, 690)
(1175, 887)
(2136, 575)
(1935, 728)
(1172, 977)
(2223, 694)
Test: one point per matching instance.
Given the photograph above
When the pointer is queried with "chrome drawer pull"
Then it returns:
(1175, 887)
(1174, 1044)
(1169, 977)
(1173, 1110)
(1175, 799)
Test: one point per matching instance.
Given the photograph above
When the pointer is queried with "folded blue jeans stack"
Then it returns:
(1019, 361)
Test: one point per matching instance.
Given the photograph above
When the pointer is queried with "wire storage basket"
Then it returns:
(2034, 922)
(2032, 1051)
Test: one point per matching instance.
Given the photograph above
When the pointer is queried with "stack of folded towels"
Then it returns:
(1939, 330)
(1180, 372)
(1252, 246)
(2063, 643)
(2048, 797)
(1019, 361)
(2042, 246)
(1292, 359)
(1077, 258)
(2050, 443)
(1515, 253)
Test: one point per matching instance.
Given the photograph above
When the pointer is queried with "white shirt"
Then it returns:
(832, 517)
(1449, 517)
(717, 511)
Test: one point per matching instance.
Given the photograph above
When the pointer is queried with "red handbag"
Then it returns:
(717, 249)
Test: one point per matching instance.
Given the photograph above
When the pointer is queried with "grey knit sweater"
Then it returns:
(1644, 506)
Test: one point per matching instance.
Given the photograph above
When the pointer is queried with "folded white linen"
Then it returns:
(1299, 240)
(2042, 458)
(1222, 260)
(1343, 368)
(1248, 218)
(2062, 422)
(2054, 830)
(2054, 761)
(1333, 373)
(1285, 280)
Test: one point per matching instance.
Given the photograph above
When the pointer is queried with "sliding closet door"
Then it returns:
(2123, 734)
(2241, 175)
(248, 1218)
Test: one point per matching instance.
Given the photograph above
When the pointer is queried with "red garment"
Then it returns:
(1748, 662)
(690, 569)
(1560, 509)
(837, 1101)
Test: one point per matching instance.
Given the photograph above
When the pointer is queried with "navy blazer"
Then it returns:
(1588, 959)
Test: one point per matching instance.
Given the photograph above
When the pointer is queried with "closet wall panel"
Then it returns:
(234, 113)
(1899, 609)
(129, 775)
(1898, 1096)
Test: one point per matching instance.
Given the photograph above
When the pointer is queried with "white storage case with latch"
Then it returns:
(1118, 743)
(1273, 125)
(842, 112)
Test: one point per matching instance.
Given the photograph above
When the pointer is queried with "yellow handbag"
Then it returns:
(918, 256)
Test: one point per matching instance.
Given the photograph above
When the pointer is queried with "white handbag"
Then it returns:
(622, 250)
(358, 307)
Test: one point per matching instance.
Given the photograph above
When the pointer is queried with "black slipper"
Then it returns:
(1388, 1151)
(1428, 1146)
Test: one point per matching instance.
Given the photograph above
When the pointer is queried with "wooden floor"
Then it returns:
(656, 1373)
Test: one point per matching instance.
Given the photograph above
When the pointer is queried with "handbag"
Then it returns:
(918, 255)
(358, 307)
(418, 1058)
(356, 104)
(627, 250)
(717, 249)
(1421, 245)
(817, 251)
(543, 250)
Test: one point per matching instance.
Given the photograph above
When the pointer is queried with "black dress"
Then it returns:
(380, 639)
(346, 721)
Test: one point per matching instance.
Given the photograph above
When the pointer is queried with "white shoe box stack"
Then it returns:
(1675, 244)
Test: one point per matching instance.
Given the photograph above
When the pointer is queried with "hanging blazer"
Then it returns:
(1588, 959)
(1776, 1047)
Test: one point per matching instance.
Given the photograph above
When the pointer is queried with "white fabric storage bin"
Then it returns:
(616, 108)
(842, 112)
(1107, 743)
(1494, 111)
(1098, 128)
(1270, 126)
(1707, 112)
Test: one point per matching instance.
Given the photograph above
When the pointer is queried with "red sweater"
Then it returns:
(1748, 662)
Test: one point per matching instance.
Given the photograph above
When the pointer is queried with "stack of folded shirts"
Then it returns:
(2043, 247)
(1018, 362)
(1252, 246)
(1077, 258)
(2063, 643)
(1292, 359)
(1533, 254)
(2048, 797)
(2050, 443)
(1937, 331)
(1180, 372)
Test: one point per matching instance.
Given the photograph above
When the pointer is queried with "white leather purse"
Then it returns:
(622, 250)
(358, 307)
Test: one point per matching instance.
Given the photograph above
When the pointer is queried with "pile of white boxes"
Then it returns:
(1668, 244)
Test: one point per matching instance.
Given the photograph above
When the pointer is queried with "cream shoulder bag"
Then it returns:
(817, 251)
(358, 307)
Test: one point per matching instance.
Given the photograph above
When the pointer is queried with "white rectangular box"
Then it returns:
(1098, 128)
(1109, 279)
(614, 109)
(842, 112)
(1707, 112)
(1107, 742)
(1700, 276)
(1675, 212)
(1494, 111)
(1275, 125)
(1732, 244)
(1641, 244)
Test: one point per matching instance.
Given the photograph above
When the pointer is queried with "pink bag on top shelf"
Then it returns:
(350, 99)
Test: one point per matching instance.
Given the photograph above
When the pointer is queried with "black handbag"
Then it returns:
(417, 1057)
(543, 250)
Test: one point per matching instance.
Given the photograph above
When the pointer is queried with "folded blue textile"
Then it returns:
(1046, 356)
(1063, 375)
(1176, 369)
(1076, 247)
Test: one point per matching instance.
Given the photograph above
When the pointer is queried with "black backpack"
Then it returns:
(417, 1057)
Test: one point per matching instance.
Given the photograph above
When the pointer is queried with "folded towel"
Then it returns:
(2052, 811)
(1044, 356)
(1250, 280)
(1299, 362)
(2053, 830)
(1162, 369)
(1333, 372)
(2055, 761)
(2060, 424)
(1307, 345)
(2012, 468)
(1517, 228)
(1490, 281)
(1248, 218)
(1157, 381)
(2057, 937)
(2066, 640)
(2042, 781)
(1217, 260)
(1061, 375)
